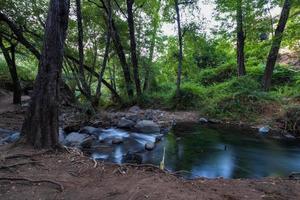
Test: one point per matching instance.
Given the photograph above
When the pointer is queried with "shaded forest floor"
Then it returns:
(29, 174)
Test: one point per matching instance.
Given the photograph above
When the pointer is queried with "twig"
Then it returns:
(61, 188)
(95, 163)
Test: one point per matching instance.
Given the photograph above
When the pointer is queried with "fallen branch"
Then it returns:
(61, 188)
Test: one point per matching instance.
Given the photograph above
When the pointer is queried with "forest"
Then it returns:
(149, 99)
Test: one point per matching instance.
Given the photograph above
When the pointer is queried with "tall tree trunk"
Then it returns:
(134, 60)
(103, 67)
(152, 46)
(11, 64)
(84, 85)
(273, 54)
(240, 40)
(180, 54)
(120, 51)
(40, 127)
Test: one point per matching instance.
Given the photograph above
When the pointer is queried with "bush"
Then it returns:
(236, 98)
(190, 96)
(217, 75)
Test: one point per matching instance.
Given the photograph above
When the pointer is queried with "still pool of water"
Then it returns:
(211, 153)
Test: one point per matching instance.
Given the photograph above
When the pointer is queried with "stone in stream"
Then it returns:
(11, 138)
(125, 123)
(264, 130)
(203, 120)
(147, 126)
(88, 142)
(117, 141)
(75, 139)
(90, 130)
(158, 138)
(61, 136)
(149, 146)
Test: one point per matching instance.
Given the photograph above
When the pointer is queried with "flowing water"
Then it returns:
(210, 153)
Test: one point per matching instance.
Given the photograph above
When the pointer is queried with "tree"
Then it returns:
(240, 39)
(40, 127)
(180, 54)
(273, 54)
(83, 84)
(119, 50)
(134, 60)
(10, 59)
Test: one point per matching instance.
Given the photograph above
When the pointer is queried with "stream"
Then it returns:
(207, 152)
(197, 151)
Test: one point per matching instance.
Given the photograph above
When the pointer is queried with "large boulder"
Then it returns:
(75, 139)
(147, 126)
(125, 123)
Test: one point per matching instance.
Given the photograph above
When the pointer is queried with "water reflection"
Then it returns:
(211, 153)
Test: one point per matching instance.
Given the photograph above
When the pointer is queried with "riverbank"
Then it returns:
(70, 175)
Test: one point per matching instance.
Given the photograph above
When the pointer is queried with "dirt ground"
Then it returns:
(30, 174)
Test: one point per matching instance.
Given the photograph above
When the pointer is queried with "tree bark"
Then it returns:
(134, 60)
(120, 51)
(180, 53)
(240, 40)
(11, 64)
(40, 127)
(84, 85)
(273, 54)
(101, 74)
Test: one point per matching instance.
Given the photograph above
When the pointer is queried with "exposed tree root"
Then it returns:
(60, 187)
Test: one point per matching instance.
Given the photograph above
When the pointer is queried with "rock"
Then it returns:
(158, 138)
(125, 123)
(90, 130)
(88, 142)
(133, 117)
(149, 146)
(11, 138)
(132, 158)
(203, 120)
(264, 130)
(75, 139)
(147, 126)
(164, 131)
(61, 136)
(214, 121)
(134, 109)
(117, 141)
(289, 136)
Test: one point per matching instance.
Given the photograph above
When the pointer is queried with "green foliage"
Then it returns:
(217, 75)
(190, 96)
